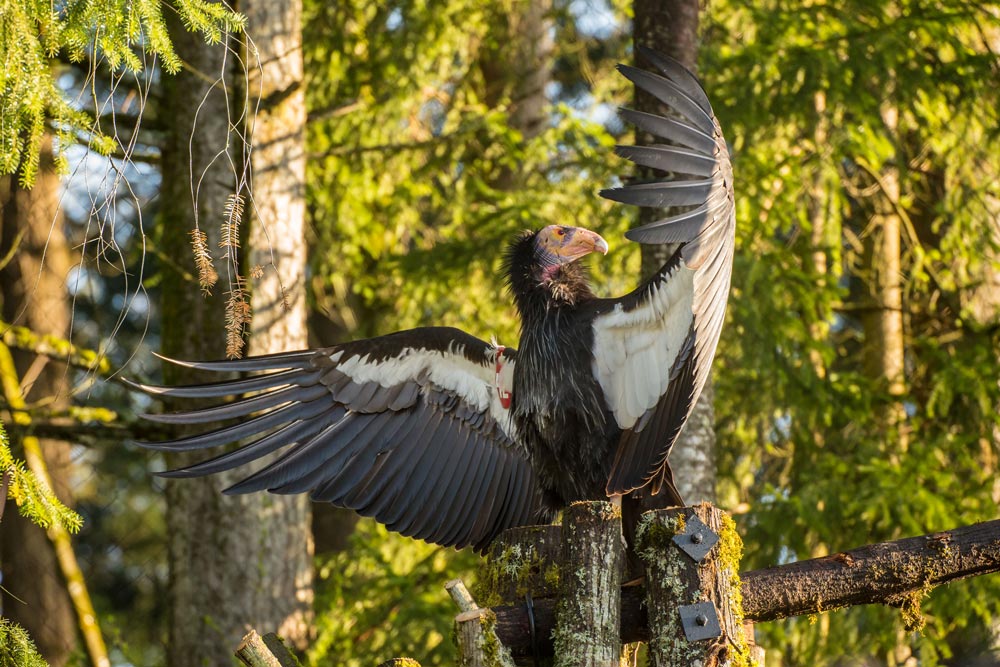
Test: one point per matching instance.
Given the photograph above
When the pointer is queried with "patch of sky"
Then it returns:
(81, 282)
(594, 18)
(395, 19)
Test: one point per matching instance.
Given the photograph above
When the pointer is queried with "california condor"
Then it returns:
(445, 437)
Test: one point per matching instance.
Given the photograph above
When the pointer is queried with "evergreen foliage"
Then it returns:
(804, 94)
(115, 34)
(412, 158)
(16, 647)
(417, 180)
(413, 155)
(34, 499)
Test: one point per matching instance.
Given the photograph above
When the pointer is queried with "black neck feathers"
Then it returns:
(537, 286)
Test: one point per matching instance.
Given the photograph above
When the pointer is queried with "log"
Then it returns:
(522, 560)
(593, 556)
(896, 573)
(705, 587)
(886, 573)
(266, 651)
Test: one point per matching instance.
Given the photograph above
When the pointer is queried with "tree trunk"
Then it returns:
(278, 243)
(883, 320)
(884, 348)
(671, 27)
(34, 295)
(235, 562)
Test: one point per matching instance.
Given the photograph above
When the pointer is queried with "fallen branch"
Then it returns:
(896, 573)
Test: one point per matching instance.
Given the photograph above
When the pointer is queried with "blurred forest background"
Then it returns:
(396, 147)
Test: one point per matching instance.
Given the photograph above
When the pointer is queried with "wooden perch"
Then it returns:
(701, 585)
(886, 573)
(593, 556)
(475, 634)
(896, 573)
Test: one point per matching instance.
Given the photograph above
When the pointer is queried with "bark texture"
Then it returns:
(233, 562)
(897, 573)
(33, 291)
(518, 68)
(593, 557)
(477, 642)
(266, 651)
(674, 579)
(522, 560)
(671, 27)
(884, 350)
(278, 242)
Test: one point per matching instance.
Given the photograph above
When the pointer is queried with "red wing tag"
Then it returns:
(501, 392)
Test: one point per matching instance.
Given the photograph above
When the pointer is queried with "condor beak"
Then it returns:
(585, 241)
(560, 244)
(600, 245)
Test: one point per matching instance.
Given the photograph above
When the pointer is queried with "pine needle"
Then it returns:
(207, 275)
(231, 224)
(238, 316)
(286, 303)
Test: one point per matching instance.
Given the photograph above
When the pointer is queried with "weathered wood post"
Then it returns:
(588, 612)
(692, 558)
(521, 561)
(266, 651)
(475, 631)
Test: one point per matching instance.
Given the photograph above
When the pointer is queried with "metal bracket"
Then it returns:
(697, 539)
(700, 621)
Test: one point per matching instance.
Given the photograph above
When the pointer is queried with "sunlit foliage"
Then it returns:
(16, 647)
(409, 161)
(824, 103)
(34, 32)
(418, 177)
(32, 496)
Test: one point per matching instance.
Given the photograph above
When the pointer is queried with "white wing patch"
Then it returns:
(451, 371)
(635, 350)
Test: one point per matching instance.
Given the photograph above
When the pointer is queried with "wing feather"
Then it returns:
(659, 340)
(406, 428)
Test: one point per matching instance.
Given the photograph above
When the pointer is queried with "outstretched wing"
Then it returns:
(408, 428)
(653, 348)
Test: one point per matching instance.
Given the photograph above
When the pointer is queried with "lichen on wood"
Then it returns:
(878, 573)
(588, 613)
(522, 560)
(674, 579)
(266, 651)
(477, 642)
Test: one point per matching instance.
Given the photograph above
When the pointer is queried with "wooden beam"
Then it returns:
(701, 585)
(896, 573)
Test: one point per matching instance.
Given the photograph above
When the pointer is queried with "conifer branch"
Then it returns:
(238, 315)
(233, 217)
(207, 275)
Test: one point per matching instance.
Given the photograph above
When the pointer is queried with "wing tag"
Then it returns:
(502, 393)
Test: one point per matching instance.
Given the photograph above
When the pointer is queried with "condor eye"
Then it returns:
(560, 231)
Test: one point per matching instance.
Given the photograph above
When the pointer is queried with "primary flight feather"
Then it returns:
(445, 437)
